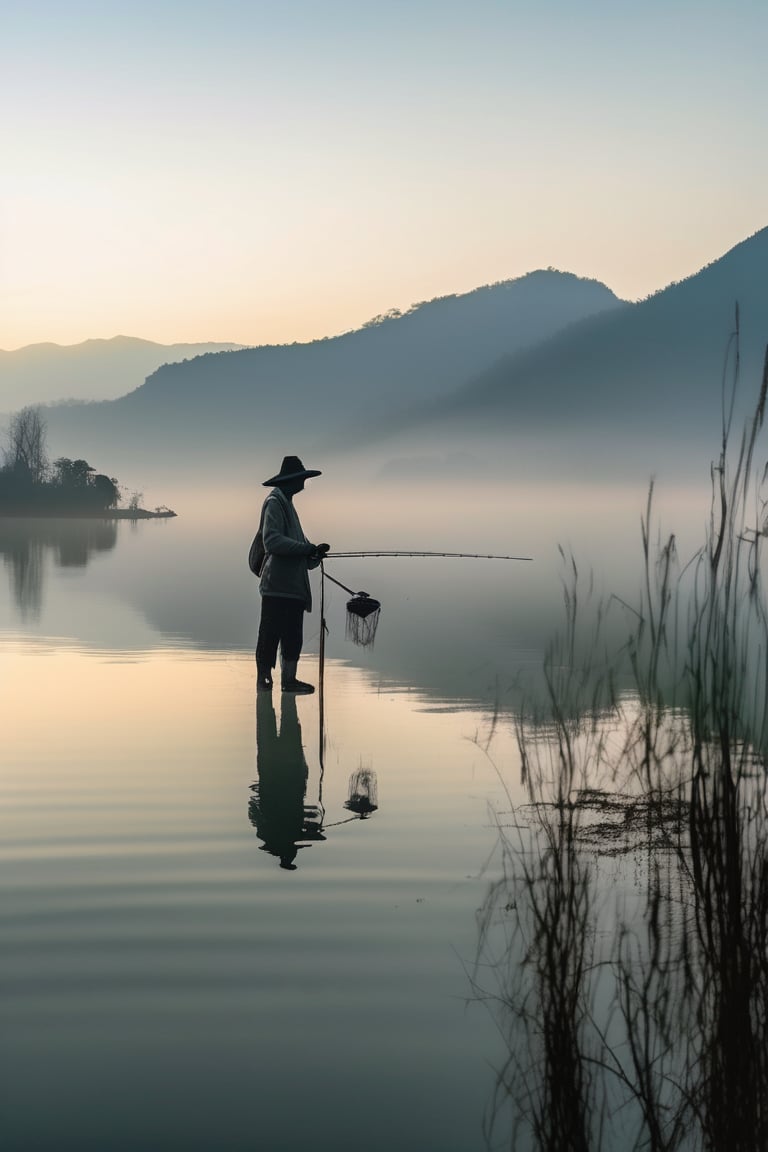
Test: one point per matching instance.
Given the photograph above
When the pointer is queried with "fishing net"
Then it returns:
(361, 795)
(362, 614)
(362, 619)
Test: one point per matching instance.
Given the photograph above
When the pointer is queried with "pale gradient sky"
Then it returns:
(263, 172)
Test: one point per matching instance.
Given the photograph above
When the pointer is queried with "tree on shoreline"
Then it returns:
(30, 484)
(25, 453)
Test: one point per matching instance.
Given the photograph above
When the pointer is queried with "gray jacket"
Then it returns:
(289, 554)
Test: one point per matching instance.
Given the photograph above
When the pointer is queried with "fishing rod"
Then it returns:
(362, 609)
(451, 555)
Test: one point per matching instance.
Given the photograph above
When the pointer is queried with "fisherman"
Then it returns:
(284, 587)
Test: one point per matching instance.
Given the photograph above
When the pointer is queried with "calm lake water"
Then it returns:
(166, 982)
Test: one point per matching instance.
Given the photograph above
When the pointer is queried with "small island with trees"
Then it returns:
(31, 485)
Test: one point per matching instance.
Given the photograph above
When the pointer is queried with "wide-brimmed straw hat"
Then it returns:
(291, 469)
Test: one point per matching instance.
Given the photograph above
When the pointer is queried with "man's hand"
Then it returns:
(323, 549)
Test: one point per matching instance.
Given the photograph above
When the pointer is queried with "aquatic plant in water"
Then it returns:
(624, 947)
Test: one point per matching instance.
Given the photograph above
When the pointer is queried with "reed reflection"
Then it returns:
(24, 544)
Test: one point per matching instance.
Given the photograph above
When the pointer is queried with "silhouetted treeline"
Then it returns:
(74, 488)
(30, 485)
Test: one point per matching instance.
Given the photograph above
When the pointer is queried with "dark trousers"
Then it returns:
(281, 624)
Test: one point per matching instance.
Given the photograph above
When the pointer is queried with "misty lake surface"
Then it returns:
(166, 982)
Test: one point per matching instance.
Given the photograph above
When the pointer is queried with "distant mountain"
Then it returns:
(654, 367)
(93, 370)
(217, 405)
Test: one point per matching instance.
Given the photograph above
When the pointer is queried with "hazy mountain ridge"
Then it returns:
(549, 372)
(92, 370)
(655, 364)
(429, 347)
(225, 402)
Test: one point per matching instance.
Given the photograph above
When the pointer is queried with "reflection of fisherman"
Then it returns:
(277, 809)
(285, 591)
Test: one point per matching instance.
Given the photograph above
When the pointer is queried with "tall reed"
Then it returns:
(638, 1018)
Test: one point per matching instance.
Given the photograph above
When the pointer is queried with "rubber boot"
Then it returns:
(263, 678)
(290, 683)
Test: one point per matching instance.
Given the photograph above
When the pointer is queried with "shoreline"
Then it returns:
(101, 514)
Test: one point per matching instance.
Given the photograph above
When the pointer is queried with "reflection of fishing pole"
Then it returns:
(362, 798)
(321, 685)
(362, 619)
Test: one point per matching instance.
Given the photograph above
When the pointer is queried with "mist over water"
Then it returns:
(453, 628)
